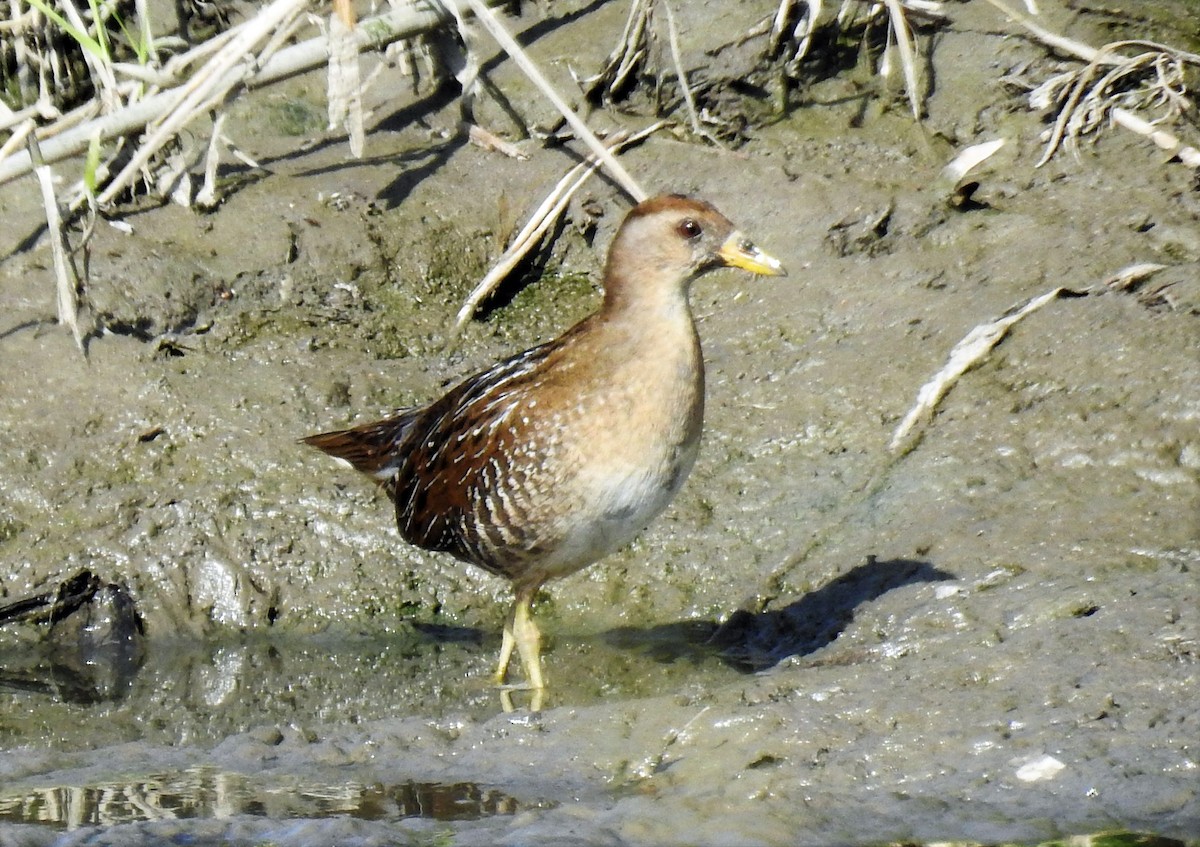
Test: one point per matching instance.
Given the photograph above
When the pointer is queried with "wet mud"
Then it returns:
(994, 636)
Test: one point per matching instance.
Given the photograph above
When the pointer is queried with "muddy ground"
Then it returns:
(994, 636)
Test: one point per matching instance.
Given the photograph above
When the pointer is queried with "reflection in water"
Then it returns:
(203, 692)
(209, 793)
(90, 646)
(94, 681)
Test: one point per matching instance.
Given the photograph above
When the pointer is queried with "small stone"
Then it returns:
(1040, 768)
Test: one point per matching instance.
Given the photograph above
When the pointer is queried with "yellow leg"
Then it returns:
(506, 648)
(528, 639)
(521, 634)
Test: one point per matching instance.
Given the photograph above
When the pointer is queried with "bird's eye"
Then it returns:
(688, 228)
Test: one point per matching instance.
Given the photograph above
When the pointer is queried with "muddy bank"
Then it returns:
(820, 642)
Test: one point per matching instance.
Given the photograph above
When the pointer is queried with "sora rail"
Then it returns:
(555, 457)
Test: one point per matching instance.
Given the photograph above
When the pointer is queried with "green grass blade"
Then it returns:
(90, 165)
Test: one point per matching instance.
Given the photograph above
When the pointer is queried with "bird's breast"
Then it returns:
(626, 439)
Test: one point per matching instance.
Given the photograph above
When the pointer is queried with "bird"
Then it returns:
(555, 457)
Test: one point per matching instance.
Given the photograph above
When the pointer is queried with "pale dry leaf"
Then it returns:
(967, 354)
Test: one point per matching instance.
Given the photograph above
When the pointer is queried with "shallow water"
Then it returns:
(199, 693)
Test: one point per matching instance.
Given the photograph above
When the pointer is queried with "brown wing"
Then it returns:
(459, 460)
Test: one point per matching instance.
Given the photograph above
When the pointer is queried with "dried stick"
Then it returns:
(1059, 42)
(801, 33)
(18, 137)
(345, 84)
(207, 87)
(539, 223)
(99, 67)
(506, 41)
(9, 118)
(206, 198)
(681, 74)
(626, 57)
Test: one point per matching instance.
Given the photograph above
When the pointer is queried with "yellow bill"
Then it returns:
(738, 251)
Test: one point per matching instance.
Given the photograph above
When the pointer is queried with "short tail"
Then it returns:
(376, 449)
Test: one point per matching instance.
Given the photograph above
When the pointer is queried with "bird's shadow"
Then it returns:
(755, 641)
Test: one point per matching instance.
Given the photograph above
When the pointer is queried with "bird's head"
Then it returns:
(667, 241)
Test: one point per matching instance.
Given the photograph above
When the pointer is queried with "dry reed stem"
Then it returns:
(206, 197)
(807, 21)
(801, 33)
(1190, 156)
(205, 90)
(1085, 97)
(681, 75)
(17, 139)
(629, 54)
(344, 9)
(100, 69)
(9, 118)
(344, 91)
(906, 43)
(70, 135)
(1070, 46)
(66, 280)
(345, 86)
(539, 223)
